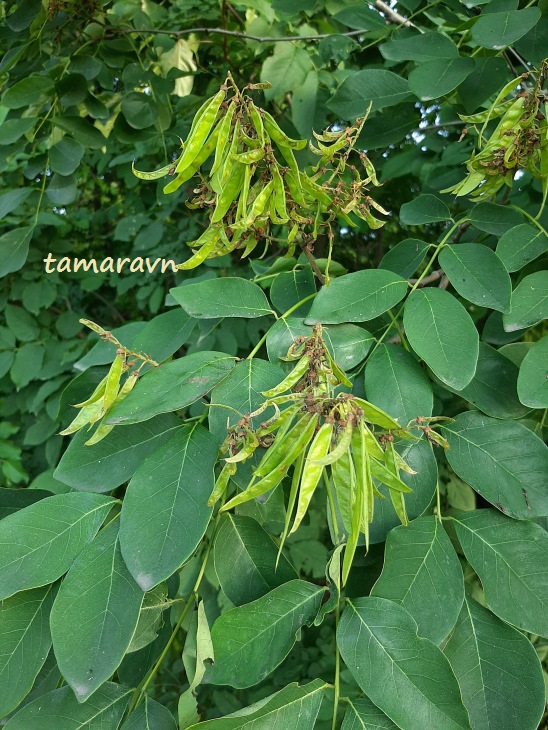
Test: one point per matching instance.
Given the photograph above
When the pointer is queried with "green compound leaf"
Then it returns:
(165, 512)
(136, 665)
(498, 670)
(250, 641)
(164, 335)
(357, 297)
(483, 82)
(15, 499)
(493, 331)
(502, 460)
(25, 640)
(356, 16)
(478, 275)
(493, 218)
(407, 677)
(424, 209)
(294, 707)
(226, 297)
(14, 249)
(290, 287)
(533, 44)
(304, 104)
(155, 602)
(532, 378)
(388, 127)
(286, 68)
(13, 129)
(362, 714)
(442, 333)
(172, 386)
(510, 560)
(493, 389)
(65, 156)
(94, 615)
(529, 302)
(12, 199)
(40, 542)
(520, 245)
(139, 110)
(111, 462)
(62, 190)
(405, 258)
(82, 131)
(516, 351)
(382, 88)
(395, 382)
(150, 715)
(60, 710)
(241, 390)
(23, 325)
(423, 574)
(436, 78)
(27, 92)
(498, 30)
(245, 560)
(421, 48)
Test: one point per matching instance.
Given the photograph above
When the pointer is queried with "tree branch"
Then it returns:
(434, 276)
(392, 16)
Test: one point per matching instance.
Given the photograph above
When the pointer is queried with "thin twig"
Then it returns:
(433, 127)
(513, 70)
(235, 34)
(464, 227)
(108, 304)
(236, 14)
(517, 56)
(225, 38)
(308, 253)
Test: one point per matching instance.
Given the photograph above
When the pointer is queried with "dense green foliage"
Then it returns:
(399, 580)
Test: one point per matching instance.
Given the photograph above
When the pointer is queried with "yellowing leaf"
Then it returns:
(181, 57)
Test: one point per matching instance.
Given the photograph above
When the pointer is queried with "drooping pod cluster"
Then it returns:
(519, 142)
(110, 391)
(341, 438)
(253, 182)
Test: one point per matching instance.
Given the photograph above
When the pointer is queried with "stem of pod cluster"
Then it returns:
(290, 311)
(337, 682)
